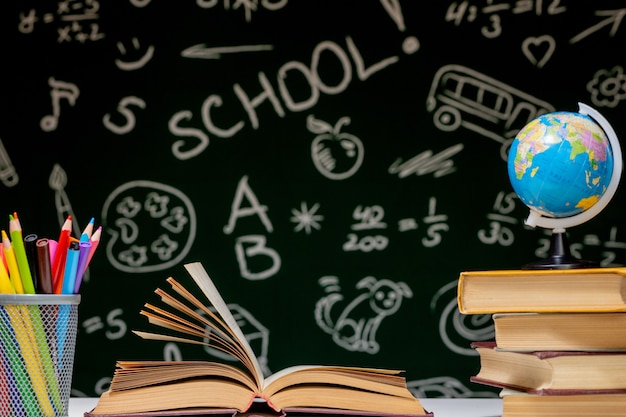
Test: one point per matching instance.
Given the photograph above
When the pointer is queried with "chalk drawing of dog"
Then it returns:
(356, 326)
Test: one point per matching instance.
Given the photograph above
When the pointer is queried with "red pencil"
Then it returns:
(58, 264)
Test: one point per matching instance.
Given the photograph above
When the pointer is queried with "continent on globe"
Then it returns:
(560, 164)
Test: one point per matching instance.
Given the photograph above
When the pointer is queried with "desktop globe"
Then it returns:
(560, 164)
(565, 167)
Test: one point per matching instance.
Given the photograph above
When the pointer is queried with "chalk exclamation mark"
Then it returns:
(392, 7)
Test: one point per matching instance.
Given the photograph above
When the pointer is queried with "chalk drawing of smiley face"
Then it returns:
(152, 225)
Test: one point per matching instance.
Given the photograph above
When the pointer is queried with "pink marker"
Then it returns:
(52, 247)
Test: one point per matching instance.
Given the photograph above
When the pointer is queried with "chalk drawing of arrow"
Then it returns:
(614, 18)
(201, 51)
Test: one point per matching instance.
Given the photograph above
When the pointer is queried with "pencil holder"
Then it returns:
(37, 345)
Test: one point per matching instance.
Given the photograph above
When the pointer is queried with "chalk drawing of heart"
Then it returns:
(542, 44)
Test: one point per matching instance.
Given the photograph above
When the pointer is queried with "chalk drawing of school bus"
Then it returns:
(460, 96)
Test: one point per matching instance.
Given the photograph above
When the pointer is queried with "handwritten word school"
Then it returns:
(33, 265)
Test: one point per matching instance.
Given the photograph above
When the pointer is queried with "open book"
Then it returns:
(158, 386)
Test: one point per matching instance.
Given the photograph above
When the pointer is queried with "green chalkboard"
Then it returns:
(311, 154)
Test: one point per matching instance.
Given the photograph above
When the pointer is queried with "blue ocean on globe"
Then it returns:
(560, 164)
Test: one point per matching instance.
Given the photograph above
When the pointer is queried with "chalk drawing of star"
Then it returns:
(306, 218)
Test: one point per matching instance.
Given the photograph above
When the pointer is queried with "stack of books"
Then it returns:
(560, 339)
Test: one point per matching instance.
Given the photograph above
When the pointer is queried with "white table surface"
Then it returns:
(441, 407)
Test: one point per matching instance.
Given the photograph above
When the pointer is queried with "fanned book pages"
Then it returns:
(539, 291)
(184, 387)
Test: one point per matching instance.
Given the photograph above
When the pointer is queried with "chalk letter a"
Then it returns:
(236, 211)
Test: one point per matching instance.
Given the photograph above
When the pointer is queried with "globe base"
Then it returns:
(560, 256)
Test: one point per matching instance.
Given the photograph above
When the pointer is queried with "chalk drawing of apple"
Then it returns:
(337, 155)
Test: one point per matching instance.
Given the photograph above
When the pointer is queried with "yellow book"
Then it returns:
(153, 387)
(518, 404)
(539, 291)
(560, 331)
(551, 372)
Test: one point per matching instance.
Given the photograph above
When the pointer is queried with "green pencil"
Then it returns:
(32, 314)
(21, 375)
(20, 255)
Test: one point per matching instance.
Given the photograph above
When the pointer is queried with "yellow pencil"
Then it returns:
(32, 319)
(34, 337)
(24, 332)
(14, 271)
(5, 283)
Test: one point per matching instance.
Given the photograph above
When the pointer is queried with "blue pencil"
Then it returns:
(71, 266)
(69, 279)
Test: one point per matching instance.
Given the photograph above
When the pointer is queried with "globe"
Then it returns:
(565, 166)
(560, 164)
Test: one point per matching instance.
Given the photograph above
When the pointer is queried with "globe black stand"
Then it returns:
(560, 256)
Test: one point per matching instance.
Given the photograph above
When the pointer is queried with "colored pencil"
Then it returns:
(85, 250)
(58, 264)
(17, 219)
(18, 373)
(2, 260)
(5, 385)
(71, 265)
(87, 231)
(24, 334)
(31, 315)
(39, 339)
(17, 241)
(95, 241)
(36, 265)
(14, 271)
(5, 282)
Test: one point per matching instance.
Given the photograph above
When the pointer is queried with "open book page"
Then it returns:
(137, 374)
(202, 279)
(210, 325)
(383, 381)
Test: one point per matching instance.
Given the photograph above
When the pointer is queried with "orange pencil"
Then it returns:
(12, 268)
(58, 264)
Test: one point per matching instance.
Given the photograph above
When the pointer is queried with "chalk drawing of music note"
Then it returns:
(60, 90)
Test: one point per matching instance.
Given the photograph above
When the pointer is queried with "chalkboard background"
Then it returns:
(201, 131)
